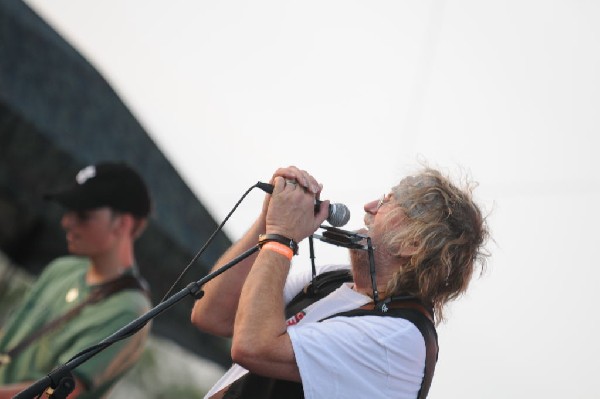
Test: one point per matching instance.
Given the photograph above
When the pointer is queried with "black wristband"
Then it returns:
(288, 242)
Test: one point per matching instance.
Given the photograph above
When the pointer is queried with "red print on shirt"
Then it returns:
(295, 319)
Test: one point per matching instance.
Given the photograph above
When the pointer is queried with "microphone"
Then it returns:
(339, 214)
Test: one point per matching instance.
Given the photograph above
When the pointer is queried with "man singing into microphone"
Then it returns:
(372, 337)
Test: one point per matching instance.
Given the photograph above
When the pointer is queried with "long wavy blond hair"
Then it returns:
(446, 232)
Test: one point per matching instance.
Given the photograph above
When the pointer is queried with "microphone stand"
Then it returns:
(59, 383)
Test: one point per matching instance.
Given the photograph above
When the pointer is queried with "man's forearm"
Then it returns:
(261, 343)
(11, 390)
(215, 312)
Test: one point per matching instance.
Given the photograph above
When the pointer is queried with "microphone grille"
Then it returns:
(339, 215)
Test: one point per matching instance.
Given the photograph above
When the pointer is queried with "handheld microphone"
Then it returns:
(339, 214)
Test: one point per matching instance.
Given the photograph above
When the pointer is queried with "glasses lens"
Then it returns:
(381, 200)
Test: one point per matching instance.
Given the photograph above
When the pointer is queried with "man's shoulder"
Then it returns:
(300, 276)
(65, 264)
(132, 299)
(69, 261)
(332, 267)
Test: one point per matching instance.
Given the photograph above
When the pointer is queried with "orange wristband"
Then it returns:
(279, 248)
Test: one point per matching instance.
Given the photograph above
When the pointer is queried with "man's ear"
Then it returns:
(410, 249)
(126, 223)
(133, 226)
(139, 227)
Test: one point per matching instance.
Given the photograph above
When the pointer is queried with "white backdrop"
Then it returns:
(357, 93)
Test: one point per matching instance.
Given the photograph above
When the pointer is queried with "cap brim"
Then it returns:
(75, 199)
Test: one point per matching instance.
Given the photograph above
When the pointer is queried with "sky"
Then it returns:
(362, 93)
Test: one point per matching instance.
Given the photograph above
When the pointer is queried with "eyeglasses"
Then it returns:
(383, 200)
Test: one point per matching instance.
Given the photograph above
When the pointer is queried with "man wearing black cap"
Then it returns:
(83, 298)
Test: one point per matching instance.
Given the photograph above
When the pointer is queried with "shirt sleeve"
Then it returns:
(367, 356)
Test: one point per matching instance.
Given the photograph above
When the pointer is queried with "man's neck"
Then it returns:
(362, 277)
(106, 268)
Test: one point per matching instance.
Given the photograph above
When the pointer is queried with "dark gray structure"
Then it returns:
(57, 114)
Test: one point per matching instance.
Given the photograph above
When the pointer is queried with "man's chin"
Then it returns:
(74, 250)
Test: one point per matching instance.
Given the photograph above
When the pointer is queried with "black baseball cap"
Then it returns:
(111, 184)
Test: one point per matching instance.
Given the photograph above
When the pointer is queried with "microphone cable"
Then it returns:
(210, 239)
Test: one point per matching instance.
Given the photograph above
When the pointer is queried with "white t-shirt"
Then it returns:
(344, 357)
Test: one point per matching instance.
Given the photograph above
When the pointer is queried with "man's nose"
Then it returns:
(372, 207)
